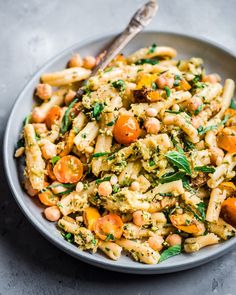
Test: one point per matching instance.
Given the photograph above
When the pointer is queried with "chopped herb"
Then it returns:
(97, 109)
(154, 86)
(197, 78)
(187, 221)
(173, 112)
(201, 130)
(177, 80)
(151, 163)
(179, 160)
(54, 160)
(233, 104)
(76, 130)
(115, 188)
(199, 85)
(171, 251)
(151, 61)
(188, 145)
(111, 123)
(84, 135)
(110, 237)
(166, 194)
(108, 69)
(20, 143)
(103, 179)
(119, 85)
(169, 177)
(202, 209)
(69, 237)
(152, 48)
(70, 186)
(198, 110)
(26, 120)
(168, 91)
(206, 169)
(100, 154)
(65, 120)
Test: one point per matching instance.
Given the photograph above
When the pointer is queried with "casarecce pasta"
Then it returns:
(143, 163)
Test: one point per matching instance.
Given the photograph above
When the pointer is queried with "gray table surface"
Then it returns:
(33, 31)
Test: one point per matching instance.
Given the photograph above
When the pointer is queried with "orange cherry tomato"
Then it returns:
(108, 227)
(230, 112)
(228, 211)
(68, 169)
(227, 141)
(47, 197)
(53, 115)
(50, 173)
(126, 129)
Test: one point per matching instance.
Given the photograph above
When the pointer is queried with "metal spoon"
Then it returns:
(140, 19)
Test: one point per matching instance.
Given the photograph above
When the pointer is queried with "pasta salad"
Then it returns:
(144, 162)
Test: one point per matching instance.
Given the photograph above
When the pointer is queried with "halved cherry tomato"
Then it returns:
(69, 143)
(227, 140)
(184, 84)
(47, 197)
(126, 129)
(50, 173)
(230, 112)
(187, 223)
(229, 187)
(68, 169)
(53, 115)
(90, 216)
(109, 227)
(228, 211)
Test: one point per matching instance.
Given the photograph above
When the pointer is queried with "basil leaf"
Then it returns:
(65, 120)
(179, 160)
(232, 104)
(152, 48)
(170, 252)
(169, 177)
(168, 91)
(97, 109)
(100, 154)
(119, 85)
(206, 169)
(103, 179)
(151, 61)
(202, 209)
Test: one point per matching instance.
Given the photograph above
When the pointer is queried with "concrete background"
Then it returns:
(33, 31)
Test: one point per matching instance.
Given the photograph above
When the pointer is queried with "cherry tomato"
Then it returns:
(68, 169)
(126, 129)
(109, 227)
(228, 211)
(227, 141)
(53, 115)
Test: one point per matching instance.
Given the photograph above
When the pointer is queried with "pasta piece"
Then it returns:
(74, 202)
(222, 229)
(35, 164)
(174, 187)
(216, 199)
(195, 244)
(69, 225)
(66, 77)
(130, 172)
(86, 136)
(132, 231)
(209, 92)
(79, 122)
(139, 251)
(86, 240)
(112, 250)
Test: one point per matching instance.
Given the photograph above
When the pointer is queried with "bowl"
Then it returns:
(216, 58)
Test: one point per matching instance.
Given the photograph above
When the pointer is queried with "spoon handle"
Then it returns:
(140, 19)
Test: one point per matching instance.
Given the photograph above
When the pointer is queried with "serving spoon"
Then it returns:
(140, 19)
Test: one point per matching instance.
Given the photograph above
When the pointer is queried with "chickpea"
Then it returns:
(49, 150)
(216, 155)
(105, 189)
(194, 103)
(174, 239)
(212, 78)
(58, 188)
(197, 122)
(44, 91)
(151, 112)
(40, 128)
(141, 218)
(52, 213)
(38, 115)
(163, 81)
(89, 62)
(156, 243)
(152, 125)
(79, 187)
(113, 179)
(158, 217)
(69, 97)
(75, 61)
(19, 152)
(134, 186)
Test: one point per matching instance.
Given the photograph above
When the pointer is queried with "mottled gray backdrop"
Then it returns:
(33, 31)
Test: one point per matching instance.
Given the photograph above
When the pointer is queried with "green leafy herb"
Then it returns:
(201, 130)
(26, 120)
(154, 86)
(115, 188)
(110, 237)
(152, 48)
(188, 146)
(202, 209)
(20, 143)
(198, 110)
(100, 154)
(151, 163)
(166, 194)
(84, 135)
(65, 120)
(103, 179)
(233, 104)
(178, 159)
(197, 78)
(108, 69)
(119, 85)
(97, 110)
(69, 237)
(168, 91)
(111, 123)
(169, 177)
(151, 61)
(177, 80)
(173, 112)
(206, 169)
(70, 186)
(54, 160)
(170, 252)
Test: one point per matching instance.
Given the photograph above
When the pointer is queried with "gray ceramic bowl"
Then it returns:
(216, 59)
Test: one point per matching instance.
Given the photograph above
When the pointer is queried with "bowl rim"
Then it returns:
(63, 245)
